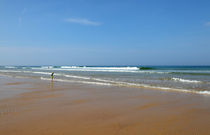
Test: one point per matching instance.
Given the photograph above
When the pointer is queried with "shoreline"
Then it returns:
(118, 84)
(43, 107)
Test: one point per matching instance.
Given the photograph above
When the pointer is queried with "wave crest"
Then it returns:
(185, 80)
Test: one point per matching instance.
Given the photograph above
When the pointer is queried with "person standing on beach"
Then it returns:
(52, 75)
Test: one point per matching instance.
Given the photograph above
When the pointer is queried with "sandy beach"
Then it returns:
(41, 107)
(105, 67)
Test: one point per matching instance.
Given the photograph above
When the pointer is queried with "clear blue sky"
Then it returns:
(105, 32)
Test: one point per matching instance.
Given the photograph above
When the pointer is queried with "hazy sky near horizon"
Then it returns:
(104, 32)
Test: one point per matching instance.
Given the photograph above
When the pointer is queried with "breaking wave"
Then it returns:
(185, 80)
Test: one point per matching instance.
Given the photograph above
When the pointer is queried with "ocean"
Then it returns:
(190, 79)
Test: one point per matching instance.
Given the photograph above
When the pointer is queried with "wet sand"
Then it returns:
(55, 108)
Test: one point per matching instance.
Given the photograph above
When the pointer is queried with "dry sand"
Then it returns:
(55, 108)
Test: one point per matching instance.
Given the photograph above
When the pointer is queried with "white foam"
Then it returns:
(203, 92)
(6, 71)
(42, 78)
(98, 69)
(185, 80)
(47, 67)
(44, 73)
(166, 88)
(89, 78)
(102, 69)
(78, 77)
(10, 67)
(69, 67)
(106, 68)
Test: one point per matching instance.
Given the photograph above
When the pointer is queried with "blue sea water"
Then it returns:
(192, 79)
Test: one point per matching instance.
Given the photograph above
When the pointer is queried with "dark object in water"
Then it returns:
(146, 68)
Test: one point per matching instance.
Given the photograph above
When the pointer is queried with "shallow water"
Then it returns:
(194, 79)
